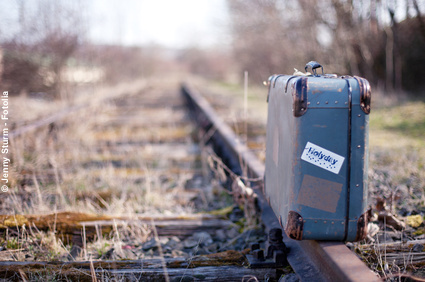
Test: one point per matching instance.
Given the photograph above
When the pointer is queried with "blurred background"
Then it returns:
(47, 47)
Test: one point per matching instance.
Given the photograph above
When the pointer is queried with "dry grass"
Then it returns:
(75, 158)
(87, 163)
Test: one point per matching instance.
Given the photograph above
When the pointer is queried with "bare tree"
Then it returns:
(261, 45)
(363, 37)
(34, 58)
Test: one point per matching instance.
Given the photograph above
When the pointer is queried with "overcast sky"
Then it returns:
(174, 23)
(166, 22)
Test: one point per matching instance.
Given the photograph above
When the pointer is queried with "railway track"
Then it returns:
(155, 122)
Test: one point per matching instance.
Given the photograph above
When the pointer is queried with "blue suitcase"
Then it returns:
(317, 155)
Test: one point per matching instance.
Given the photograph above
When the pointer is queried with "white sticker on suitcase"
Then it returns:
(323, 158)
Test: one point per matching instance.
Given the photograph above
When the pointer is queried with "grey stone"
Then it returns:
(291, 277)
(153, 243)
(198, 239)
(220, 235)
(204, 238)
(173, 243)
(240, 244)
(190, 243)
(417, 248)
(232, 233)
(213, 248)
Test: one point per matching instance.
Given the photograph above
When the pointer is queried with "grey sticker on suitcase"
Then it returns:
(319, 193)
(323, 158)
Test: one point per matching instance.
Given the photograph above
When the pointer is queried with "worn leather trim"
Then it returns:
(294, 226)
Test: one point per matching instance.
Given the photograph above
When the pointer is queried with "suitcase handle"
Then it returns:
(314, 65)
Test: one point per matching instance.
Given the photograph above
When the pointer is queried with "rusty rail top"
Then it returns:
(311, 260)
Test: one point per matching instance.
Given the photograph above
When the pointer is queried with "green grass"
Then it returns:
(397, 154)
(400, 125)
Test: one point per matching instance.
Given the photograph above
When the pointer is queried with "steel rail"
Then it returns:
(311, 260)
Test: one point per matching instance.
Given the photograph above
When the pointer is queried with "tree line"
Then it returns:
(381, 40)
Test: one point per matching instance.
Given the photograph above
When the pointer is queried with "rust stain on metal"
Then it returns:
(299, 97)
(365, 94)
(294, 226)
(362, 226)
(319, 193)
